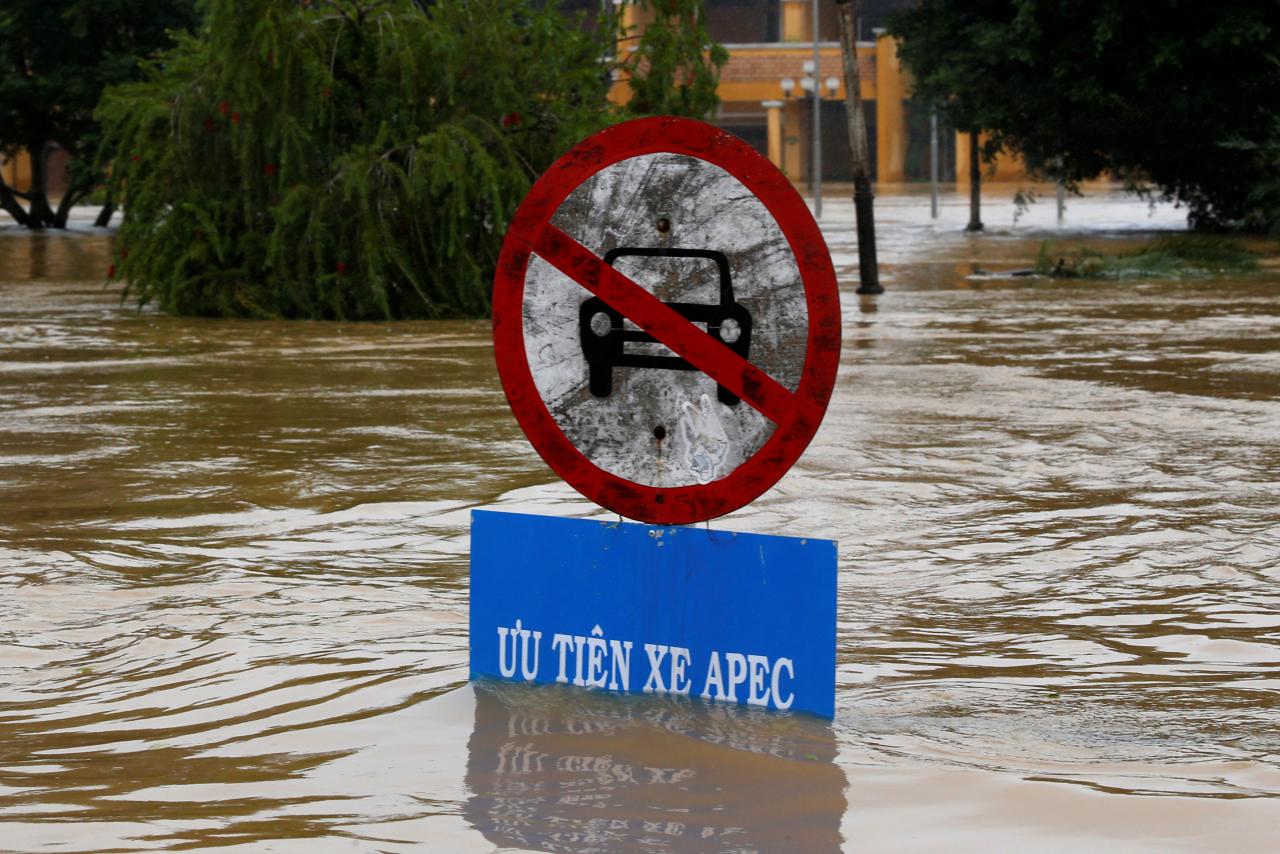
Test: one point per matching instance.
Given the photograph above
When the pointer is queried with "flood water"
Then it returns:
(233, 576)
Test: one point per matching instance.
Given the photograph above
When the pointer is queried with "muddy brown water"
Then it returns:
(233, 579)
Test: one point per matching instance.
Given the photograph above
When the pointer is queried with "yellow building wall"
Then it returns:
(892, 89)
(1005, 168)
(17, 171)
(752, 78)
(633, 20)
(891, 122)
(796, 17)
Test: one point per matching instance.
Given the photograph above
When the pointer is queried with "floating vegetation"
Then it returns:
(1181, 256)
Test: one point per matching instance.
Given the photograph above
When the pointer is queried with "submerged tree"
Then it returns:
(1169, 92)
(344, 158)
(674, 64)
(56, 56)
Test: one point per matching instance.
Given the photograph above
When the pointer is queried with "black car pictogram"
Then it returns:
(604, 338)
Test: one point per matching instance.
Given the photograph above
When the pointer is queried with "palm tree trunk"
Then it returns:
(975, 183)
(864, 212)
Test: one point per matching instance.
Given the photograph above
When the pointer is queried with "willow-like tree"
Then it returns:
(344, 158)
(673, 64)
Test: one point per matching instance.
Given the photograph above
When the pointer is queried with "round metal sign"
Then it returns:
(666, 320)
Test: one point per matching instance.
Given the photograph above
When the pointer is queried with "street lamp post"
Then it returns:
(812, 87)
(933, 162)
(817, 120)
(1061, 193)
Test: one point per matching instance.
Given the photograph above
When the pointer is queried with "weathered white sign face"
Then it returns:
(696, 238)
(666, 321)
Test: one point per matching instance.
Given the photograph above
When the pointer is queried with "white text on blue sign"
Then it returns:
(594, 661)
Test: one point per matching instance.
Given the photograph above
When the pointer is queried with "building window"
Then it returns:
(743, 21)
(837, 157)
(747, 121)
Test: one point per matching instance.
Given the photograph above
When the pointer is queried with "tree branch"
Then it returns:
(11, 206)
(73, 194)
(108, 211)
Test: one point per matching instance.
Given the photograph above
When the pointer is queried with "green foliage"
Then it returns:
(674, 66)
(1183, 256)
(344, 159)
(56, 57)
(1162, 91)
(1265, 196)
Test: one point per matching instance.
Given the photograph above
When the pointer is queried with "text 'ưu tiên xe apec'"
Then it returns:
(593, 661)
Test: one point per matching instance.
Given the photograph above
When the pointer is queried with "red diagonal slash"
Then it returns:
(666, 325)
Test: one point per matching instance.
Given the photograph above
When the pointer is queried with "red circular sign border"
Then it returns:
(682, 504)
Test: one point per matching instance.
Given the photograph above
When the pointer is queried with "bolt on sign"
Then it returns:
(667, 332)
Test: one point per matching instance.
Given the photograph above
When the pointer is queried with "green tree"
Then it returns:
(673, 65)
(56, 56)
(1265, 197)
(1166, 92)
(345, 158)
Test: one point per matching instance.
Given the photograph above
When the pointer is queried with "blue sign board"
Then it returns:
(724, 616)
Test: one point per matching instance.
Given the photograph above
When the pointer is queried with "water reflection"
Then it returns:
(570, 771)
(53, 255)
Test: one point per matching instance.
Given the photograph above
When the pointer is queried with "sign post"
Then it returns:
(667, 331)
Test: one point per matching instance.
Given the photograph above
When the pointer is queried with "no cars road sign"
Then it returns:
(666, 320)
